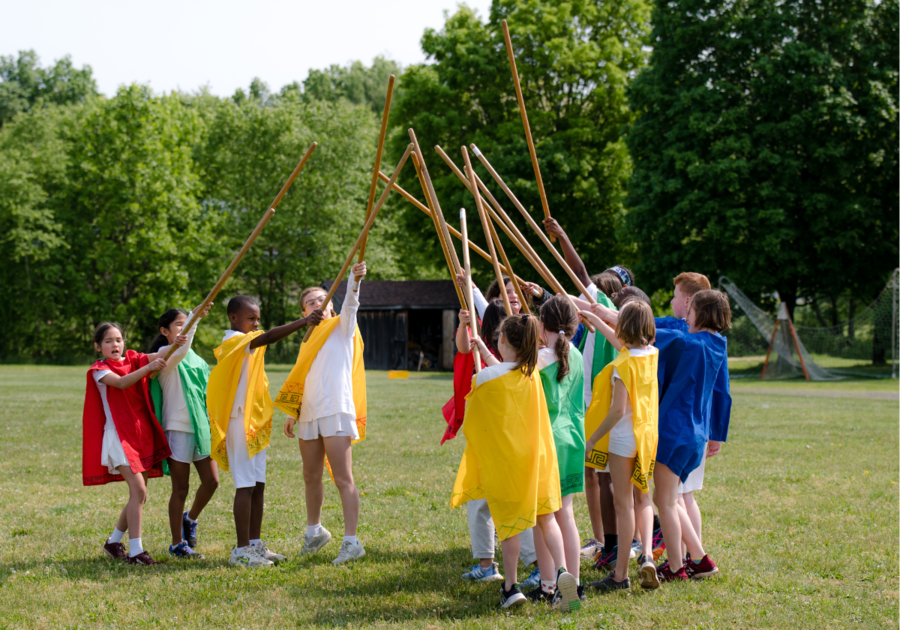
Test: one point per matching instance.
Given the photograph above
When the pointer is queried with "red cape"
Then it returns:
(141, 435)
(455, 409)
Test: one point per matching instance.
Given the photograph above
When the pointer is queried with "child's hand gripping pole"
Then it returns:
(470, 297)
(234, 263)
(362, 237)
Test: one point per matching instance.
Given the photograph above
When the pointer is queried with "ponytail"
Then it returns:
(558, 314)
(522, 334)
(165, 321)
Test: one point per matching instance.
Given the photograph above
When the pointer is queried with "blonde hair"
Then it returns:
(522, 333)
(636, 324)
(306, 292)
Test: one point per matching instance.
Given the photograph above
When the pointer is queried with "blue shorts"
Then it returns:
(681, 458)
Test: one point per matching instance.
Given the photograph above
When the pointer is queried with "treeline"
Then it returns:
(752, 139)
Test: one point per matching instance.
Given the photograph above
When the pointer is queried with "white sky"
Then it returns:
(223, 43)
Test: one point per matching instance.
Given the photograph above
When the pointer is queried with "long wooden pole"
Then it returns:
(470, 297)
(362, 237)
(440, 234)
(418, 204)
(378, 153)
(559, 257)
(234, 263)
(516, 286)
(528, 138)
(473, 188)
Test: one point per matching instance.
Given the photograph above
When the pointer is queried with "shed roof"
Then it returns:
(402, 294)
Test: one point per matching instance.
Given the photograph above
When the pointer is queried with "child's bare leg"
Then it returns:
(510, 548)
(544, 557)
(208, 471)
(312, 452)
(672, 517)
(257, 503)
(682, 548)
(553, 539)
(592, 495)
(243, 499)
(620, 469)
(693, 512)
(181, 476)
(643, 509)
(130, 519)
(565, 518)
(340, 456)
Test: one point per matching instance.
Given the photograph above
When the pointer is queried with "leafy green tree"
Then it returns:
(354, 83)
(574, 59)
(24, 84)
(765, 145)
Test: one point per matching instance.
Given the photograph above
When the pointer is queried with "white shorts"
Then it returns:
(112, 455)
(340, 424)
(184, 447)
(694, 481)
(622, 442)
(245, 470)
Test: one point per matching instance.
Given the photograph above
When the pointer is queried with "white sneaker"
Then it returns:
(312, 544)
(267, 553)
(348, 552)
(248, 558)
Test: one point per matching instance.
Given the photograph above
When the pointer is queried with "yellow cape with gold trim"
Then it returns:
(640, 379)
(510, 456)
(221, 389)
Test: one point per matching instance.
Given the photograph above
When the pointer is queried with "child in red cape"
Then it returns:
(122, 441)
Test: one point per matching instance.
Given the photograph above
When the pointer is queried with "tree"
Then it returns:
(574, 59)
(354, 83)
(765, 145)
(24, 84)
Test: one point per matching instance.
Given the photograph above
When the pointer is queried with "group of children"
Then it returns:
(151, 414)
(557, 410)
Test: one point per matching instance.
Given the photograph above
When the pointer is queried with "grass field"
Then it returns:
(801, 514)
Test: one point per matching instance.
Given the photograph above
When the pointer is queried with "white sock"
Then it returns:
(134, 547)
(255, 542)
(314, 530)
(239, 550)
(351, 539)
(548, 585)
(116, 536)
(188, 518)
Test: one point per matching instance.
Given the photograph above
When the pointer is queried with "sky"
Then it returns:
(223, 44)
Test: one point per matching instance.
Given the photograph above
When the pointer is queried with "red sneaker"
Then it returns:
(703, 569)
(142, 558)
(116, 551)
(665, 574)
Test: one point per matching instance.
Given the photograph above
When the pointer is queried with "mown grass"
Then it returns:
(801, 513)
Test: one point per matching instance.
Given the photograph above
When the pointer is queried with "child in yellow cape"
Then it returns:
(240, 421)
(622, 425)
(326, 394)
(510, 457)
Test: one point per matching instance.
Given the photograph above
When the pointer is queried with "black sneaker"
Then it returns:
(183, 550)
(512, 598)
(540, 596)
(609, 584)
(189, 531)
(581, 594)
(606, 559)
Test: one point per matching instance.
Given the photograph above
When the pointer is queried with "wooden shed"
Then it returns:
(406, 322)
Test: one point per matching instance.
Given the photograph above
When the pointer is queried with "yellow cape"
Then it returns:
(220, 392)
(640, 379)
(510, 456)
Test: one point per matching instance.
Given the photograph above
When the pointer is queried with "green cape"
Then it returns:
(604, 352)
(565, 404)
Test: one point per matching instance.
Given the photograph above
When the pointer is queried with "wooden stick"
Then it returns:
(470, 297)
(378, 152)
(362, 237)
(418, 204)
(559, 257)
(516, 286)
(234, 263)
(528, 138)
(449, 261)
(473, 188)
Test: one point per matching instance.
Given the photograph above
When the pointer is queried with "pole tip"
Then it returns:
(314, 144)
(462, 213)
(475, 149)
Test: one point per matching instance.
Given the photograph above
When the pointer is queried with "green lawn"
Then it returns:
(801, 514)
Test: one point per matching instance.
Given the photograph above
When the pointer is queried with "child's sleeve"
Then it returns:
(480, 303)
(671, 323)
(350, 307)
(179, 353)
(721, 406)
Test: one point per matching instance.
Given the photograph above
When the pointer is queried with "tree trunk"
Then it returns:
(850, 327)
(788, 295)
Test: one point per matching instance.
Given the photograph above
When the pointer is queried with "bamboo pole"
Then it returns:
(378, 153)
(473, 188)
(362, 237)
(528, 138)
(516, 286)
(559, 257)
(473, 316)
(449, 261)
(234, 263)
(418, 204)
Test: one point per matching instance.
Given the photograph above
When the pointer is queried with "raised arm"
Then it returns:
(603, 328)
(351, 300)
(463, 344)
(124, 382)
(477, 296)
(572, 258)
(277, 334)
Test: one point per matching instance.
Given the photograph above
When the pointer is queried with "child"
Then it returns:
(326, 394)
(627, 395)
(510, 459)
(121, 438)
(562, 376)
(240, 419)
(179, 399)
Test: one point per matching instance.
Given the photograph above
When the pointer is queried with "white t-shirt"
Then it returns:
(175, 411)
(588, 354)
(329, 384)
(546, 356)
(240, 394)
(625, 426)
(480, 302)
(494, 371)
(98, 374)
